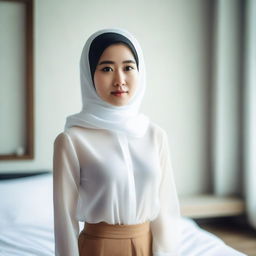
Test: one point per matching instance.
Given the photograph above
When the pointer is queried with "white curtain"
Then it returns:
(234, 101)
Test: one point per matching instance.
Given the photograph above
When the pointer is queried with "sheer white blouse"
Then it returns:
(99, 175)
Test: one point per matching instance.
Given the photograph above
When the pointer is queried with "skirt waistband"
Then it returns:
(105, 230)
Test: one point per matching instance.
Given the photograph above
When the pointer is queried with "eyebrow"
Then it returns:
(112, 62)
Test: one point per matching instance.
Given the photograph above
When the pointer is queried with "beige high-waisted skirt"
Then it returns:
(103, 239)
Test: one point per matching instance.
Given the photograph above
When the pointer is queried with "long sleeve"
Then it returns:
(165, 228)
(66, 176)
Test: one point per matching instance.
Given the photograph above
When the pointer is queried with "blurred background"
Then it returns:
(200, 61)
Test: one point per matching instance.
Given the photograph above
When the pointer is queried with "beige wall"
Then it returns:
(175, 37)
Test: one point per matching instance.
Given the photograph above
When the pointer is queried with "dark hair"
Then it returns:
(101, 42)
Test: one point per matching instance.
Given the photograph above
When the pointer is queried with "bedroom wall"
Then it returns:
(175, 37)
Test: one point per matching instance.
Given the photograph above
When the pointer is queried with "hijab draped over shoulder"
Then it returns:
(99, 114)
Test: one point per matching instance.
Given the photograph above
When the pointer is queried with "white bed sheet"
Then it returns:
(26, 223)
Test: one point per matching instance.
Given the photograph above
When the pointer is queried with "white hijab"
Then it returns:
(99, 114)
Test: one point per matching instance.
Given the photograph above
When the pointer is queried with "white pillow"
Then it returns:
(26, 200)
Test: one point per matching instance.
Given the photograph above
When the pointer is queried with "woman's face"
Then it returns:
(116, 75)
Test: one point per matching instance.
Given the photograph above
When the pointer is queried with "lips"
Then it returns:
(118, 92)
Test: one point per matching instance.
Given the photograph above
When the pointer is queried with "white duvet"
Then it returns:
(26, 223)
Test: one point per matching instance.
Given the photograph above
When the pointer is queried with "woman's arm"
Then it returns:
(66, 178)
(165, 228)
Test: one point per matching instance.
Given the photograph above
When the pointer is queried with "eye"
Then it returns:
(128, 68)
(107, 69)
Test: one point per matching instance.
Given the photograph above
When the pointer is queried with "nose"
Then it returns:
(119, 78)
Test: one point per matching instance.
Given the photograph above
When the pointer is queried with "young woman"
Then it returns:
(111, 164)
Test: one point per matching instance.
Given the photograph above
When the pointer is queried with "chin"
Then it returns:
(118, 104)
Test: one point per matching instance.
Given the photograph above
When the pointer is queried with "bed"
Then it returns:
(26, 221)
